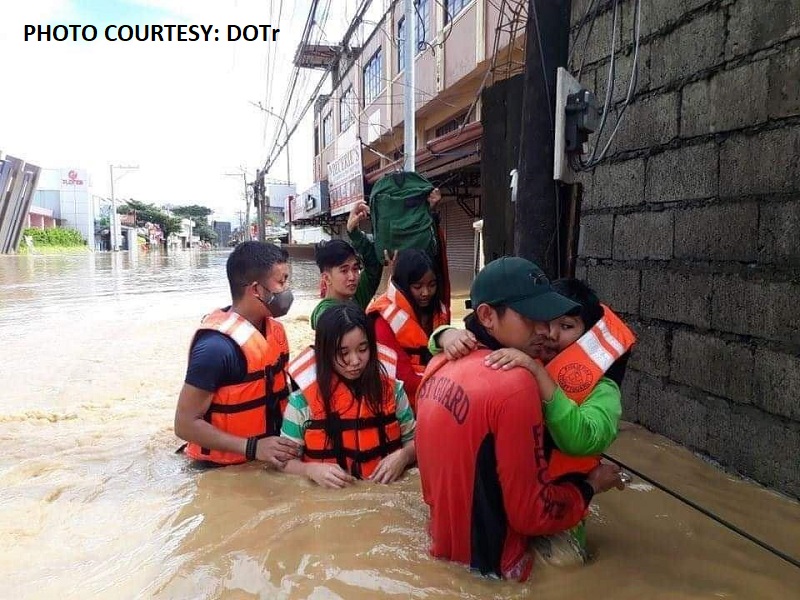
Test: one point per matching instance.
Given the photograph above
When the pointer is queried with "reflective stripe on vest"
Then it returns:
(254, 407)
(397, 311)
(352, 436)
(577, 370)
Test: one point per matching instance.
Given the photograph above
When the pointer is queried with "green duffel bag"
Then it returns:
(400, 214)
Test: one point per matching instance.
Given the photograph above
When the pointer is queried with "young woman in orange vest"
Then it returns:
(351, 415)
(406, 315)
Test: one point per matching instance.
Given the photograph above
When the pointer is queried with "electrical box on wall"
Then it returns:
(577, 116)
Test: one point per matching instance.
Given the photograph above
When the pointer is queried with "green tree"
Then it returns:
(150, 213)
(199, 214)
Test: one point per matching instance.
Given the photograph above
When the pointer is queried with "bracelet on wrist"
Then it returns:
(250, 448)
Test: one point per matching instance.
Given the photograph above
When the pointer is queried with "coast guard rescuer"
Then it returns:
(480, 434)
(231, 404)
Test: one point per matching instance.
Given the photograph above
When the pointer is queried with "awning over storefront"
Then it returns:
(454, 150)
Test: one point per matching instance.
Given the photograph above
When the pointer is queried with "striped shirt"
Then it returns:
(298, 414)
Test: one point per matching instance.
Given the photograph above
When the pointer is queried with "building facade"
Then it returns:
(65, 192)
(223, 231)
(462, 47)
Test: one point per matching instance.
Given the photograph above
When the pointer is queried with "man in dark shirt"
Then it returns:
(230, 406)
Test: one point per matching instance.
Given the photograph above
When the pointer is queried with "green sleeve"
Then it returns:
(588, 428)
(373, 268)
(404, 414)
(295, 417)
(433, 347)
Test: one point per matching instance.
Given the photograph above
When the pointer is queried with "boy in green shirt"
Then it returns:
(344, 275)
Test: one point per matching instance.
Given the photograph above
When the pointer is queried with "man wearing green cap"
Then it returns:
(480, 434)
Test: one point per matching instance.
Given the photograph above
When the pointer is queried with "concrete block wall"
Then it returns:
(691, 226)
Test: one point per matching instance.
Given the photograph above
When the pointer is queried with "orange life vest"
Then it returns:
(255, 406)
(395, 308)
(578, 368)
(352, 435)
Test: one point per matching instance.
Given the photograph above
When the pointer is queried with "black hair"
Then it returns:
(576, 290)
(591, 312)
(336, 322)
(411, 266)
(249, 262)
(332, 253)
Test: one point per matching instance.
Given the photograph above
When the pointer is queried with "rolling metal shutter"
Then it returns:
(460, 235)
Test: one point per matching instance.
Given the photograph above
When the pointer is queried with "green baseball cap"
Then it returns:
(521, 286)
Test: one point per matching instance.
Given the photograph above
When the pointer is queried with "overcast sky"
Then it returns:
(179, 110)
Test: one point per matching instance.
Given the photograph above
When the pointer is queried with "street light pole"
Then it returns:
(409, 100)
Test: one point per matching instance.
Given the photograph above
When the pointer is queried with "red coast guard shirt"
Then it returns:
(481, 457)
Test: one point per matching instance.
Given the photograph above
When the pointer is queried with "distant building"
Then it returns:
(185, 238)
(276, 202)
(223, 231)
(40, 218)
(65, 192)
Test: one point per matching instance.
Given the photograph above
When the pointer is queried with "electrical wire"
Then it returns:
(713, 516)
(275, 152)
(290, 90)
(610, 80)
(576, 162)
(586, 41)
(583, 22)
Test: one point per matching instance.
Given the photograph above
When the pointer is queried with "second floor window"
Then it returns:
(347, 108)
(327, 130)
(401, 45)
(423, 20)
(453, 7)
(373, 78)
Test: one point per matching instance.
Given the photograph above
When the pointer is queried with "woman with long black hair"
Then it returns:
(351, 415)
(406, 315)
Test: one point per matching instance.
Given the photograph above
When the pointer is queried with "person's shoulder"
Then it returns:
(320, 308)
(210, 340)
(472, 371)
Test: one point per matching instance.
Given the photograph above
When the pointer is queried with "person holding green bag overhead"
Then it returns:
(401, 206)
(352, 271)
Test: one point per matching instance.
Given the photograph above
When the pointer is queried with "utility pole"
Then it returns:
(241, 223)
(258, 198)
(113, 240)
(284, 126)
(246, 232)
(114, 221)
(409, 105)
(536, 223)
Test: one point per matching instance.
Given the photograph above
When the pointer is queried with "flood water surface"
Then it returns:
(96, 504)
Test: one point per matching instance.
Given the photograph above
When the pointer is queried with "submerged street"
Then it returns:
(96, 504)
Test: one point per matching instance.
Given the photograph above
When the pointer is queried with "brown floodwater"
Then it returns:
(95, 503)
